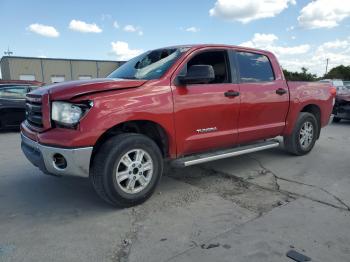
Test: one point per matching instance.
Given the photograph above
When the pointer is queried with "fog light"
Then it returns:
(59, 161)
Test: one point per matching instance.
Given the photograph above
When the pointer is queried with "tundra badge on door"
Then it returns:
(207, 130)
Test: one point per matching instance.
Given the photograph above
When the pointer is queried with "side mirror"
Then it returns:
(197, 74)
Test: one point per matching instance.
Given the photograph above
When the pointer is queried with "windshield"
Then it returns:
(150, 65)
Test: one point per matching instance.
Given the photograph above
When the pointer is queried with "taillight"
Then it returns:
(333, 91)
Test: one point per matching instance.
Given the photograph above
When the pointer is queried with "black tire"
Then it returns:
(292, 143)
(336, 119)
(105, 163)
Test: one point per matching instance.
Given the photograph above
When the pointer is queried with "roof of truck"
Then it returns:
(218, 46)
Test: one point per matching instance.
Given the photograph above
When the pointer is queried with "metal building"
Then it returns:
(53, 70)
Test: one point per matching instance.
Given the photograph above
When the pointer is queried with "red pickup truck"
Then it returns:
(184, 104)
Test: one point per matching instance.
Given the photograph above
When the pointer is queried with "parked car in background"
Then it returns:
(341, 109)
(184, 104)
(12, 101)
(337, 83)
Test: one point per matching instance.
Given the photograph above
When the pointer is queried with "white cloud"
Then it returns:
(261, 40)
(116, 25)
(130, 28)
(267, 42)
(293, 50)
(123, 52)
(336, 44)
(324, 13)
(337, 51)
(44, 30)
(192, 29)
(133, 29)
(290, 28)
(81, 26)
(295, 57)
(248, 10)
(336, 56)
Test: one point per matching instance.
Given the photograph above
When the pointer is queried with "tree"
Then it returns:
(339, 72)
(304, 75)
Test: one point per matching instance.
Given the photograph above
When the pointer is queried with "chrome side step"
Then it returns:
(207, 157)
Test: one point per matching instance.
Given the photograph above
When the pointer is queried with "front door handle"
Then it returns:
(231, 93)
(281, 91)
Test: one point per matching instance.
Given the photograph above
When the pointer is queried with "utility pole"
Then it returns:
(327, 60)
(8, 52)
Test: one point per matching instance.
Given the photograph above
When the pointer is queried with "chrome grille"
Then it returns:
(34, 114)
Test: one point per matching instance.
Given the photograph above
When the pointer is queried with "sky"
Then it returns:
(301, 33)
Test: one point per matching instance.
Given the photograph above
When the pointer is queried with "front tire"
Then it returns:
(304, 135)
(127, 169)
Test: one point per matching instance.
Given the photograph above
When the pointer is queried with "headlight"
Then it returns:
(67, 114)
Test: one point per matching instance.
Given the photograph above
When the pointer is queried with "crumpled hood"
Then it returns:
(71, 89)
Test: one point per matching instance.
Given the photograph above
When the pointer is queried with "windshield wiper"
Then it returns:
(129, 77)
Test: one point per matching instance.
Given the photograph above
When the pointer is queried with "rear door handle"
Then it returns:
(231, 93)
(281, 91)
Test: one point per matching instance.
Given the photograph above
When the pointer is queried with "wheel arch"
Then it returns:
(148, 128)
(316, 111)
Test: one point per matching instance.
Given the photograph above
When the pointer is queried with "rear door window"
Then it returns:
(254, 68)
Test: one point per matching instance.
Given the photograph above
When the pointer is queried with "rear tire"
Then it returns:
(336, 119)
(304, 135)
(127, 169)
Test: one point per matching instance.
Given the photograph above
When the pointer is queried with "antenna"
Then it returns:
(8, 52)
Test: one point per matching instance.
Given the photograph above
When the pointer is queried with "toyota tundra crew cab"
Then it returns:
(185, 105)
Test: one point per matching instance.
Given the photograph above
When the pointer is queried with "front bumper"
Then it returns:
(330, 121)
(77, 159)
(343, 111)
